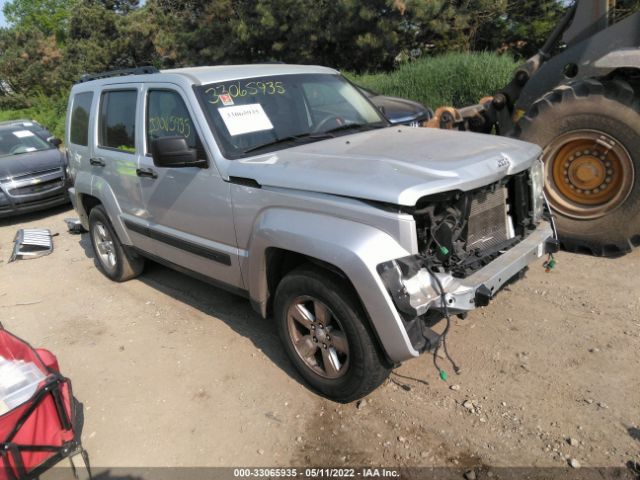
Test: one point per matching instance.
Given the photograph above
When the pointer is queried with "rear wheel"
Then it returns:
(322, 327)
(112, 257)
(590, 133)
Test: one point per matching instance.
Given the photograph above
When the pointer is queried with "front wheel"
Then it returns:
(590, 133)
(323, 329)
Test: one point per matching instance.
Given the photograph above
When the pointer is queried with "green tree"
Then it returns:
(194, 32)
(524, 27)
(119, 6)
(51, 17)
(102, 39)
(439, 26)
(367, 34)
(282, 30)
(29, 66)
(341, 33)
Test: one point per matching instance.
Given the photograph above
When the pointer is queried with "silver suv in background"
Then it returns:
(283, 183)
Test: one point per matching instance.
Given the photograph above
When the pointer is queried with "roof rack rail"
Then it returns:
(148, 69)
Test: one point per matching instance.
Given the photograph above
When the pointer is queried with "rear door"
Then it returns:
(115, 156)
(189, 212)
(119, 147)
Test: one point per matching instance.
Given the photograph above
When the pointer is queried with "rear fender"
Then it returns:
(81, 186)
(102, 191)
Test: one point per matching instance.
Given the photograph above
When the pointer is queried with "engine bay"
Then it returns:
(460, 232)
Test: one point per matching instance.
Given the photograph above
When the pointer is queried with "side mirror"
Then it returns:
(174, 152)
(56, 142)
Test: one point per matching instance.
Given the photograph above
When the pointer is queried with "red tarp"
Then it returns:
(43, 426)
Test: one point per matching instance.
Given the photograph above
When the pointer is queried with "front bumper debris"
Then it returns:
(31, 243)
(417, 292)
(74, 226)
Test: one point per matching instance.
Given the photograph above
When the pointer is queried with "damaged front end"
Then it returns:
(471, 244)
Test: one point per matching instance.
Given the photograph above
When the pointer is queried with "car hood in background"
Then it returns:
(401, 110)
(396, 165)
(27, 163)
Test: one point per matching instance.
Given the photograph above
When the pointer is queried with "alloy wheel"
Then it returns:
(318, 337)
(105, 247)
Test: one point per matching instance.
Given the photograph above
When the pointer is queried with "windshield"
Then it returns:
(262, 114)
(15, 141)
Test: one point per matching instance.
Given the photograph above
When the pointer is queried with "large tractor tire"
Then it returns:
(590, 133)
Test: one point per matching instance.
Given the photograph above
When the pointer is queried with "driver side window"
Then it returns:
(325, 102)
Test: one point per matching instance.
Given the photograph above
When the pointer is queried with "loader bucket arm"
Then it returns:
(585, 30)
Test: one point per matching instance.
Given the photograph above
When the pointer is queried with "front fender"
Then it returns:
(354, 248)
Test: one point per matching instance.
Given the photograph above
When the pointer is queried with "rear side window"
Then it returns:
(167, 116)
(117, 126)
(80, 119)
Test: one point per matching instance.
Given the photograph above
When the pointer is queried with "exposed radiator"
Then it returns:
(488, 220)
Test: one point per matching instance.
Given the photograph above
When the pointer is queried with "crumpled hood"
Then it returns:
(26, 163)
(395, 165)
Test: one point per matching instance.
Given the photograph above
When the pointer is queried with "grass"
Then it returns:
(48, 111)
(457, 79)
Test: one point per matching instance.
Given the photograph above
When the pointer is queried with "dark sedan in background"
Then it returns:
(399, 111)
(32, 125)
(32, 174)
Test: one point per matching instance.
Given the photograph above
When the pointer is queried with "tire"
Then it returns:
(598, 207)
(112, 258)
(357, 372)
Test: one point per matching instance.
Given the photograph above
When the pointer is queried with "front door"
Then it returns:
(188, 209)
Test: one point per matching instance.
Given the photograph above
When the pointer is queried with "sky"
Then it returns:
(2, 21)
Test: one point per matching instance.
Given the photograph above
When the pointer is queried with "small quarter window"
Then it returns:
(117, 127)
(80, 119)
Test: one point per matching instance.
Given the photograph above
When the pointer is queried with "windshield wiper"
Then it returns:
(315, 136)
(290, 138)
(354, 126)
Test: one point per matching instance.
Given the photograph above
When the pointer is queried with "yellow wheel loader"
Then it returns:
(579, 99)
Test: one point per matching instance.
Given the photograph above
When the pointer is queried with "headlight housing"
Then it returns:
(536, 179)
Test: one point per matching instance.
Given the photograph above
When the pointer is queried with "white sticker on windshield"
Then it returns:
(243, 119)
(23, 133)
(30, 149)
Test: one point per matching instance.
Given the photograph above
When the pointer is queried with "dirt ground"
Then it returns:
(174, 372)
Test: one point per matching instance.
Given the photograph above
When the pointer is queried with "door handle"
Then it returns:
(146, 172)
(97, 161)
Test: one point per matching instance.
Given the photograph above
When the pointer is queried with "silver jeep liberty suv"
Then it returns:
(284, 184)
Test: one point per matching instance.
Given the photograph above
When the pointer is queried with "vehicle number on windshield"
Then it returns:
(242, 89)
